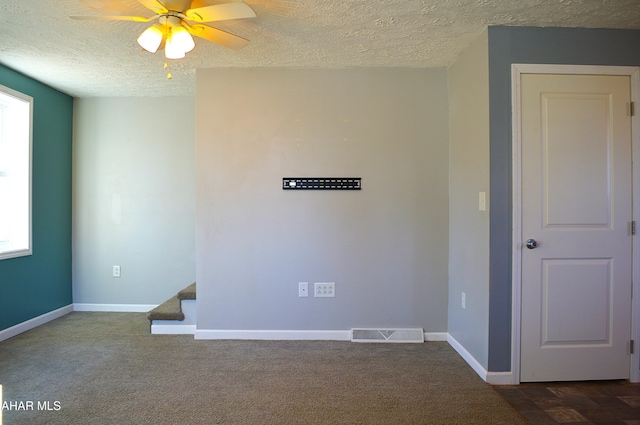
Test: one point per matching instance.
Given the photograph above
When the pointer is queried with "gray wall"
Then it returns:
(508, 45)
(133, 199)
(468, 80)
(385, 246)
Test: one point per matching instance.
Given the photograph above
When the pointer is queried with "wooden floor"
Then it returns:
(615, 402)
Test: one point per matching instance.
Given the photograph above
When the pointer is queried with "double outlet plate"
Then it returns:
(320, 289)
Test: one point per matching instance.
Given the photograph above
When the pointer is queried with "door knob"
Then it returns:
(531, 244)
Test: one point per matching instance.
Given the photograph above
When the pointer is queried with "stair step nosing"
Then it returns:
(171, 309)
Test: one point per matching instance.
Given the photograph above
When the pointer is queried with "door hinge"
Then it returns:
(631, 344)
(632, 109)
(632, 227)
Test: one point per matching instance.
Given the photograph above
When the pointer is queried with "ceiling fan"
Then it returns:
(177, 20)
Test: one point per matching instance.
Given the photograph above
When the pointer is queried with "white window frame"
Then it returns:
(15, 233)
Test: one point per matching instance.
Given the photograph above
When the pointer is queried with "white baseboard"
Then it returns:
(280, 335)
(35, 322)
(436, 336)
(500, 378)
(171, 328)
(125, 308)
(471, 361)
(293, 335)
(493, 378)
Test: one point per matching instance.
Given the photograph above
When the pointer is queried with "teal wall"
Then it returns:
(37, 284)
(509, 45)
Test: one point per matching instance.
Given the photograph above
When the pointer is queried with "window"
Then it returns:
(16, 110)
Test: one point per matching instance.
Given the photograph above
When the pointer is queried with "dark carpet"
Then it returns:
(105, 368)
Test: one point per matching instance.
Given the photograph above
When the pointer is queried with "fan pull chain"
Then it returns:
(169, 74)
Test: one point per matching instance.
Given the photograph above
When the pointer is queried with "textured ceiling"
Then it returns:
(102, 58)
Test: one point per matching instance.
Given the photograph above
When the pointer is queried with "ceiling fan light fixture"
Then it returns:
(182, 38)
(172, 49)
(151, 38)
(173, 31)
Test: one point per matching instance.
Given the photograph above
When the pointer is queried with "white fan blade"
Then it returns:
(218, 36)
(108, 7)
(114, 18)
(154, 5)
(220, 12)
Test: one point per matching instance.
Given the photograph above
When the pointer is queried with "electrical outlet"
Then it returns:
(464, 300)
(324, 289)
(116, 271)
(303, 289)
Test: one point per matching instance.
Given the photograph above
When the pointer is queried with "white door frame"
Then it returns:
(516, 71)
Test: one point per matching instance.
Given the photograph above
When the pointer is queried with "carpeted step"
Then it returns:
(188, 293)
(171, 309)
(168, 310)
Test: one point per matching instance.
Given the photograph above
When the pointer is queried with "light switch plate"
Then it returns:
(482, 201)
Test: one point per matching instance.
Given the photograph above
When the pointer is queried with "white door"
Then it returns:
(577, 206)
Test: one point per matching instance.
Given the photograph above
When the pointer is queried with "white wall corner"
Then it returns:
(35, 322)
(493, 378)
